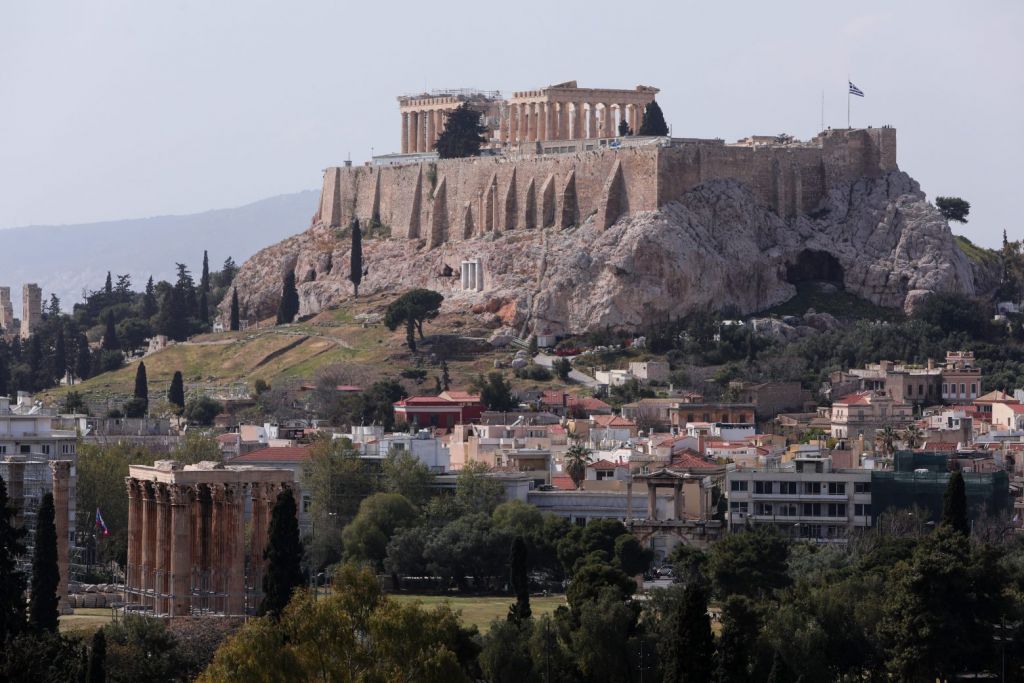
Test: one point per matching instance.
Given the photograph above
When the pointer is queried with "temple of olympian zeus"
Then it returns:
(558, 112)
(188, 549)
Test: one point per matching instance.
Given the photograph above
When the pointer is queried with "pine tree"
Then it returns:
(519, 581)
(108, 287)
(356, 259)
(228, 272)
(740, 626)
(176, 394)
(235, 322)
(654, 121)
(149, 302)
(954, 504)
(12, 581)
(463, 134)
(42, 606)
(283, 554)
(142, 384)
(110, 342)
(204, 279)
(97, 667)
(53, 310)
(288, 308)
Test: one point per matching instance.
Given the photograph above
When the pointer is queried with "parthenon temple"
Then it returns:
(187, 536)
(559, 112)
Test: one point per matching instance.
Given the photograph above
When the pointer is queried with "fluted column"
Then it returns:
(429, 142)
(524, 123)
(61, 471)
(204, 547)
(419, 116)
(622, 116)
(510, 136)
(131, 577)
(218, 537)
(591, 121)
(236, 543)
(563, 121)
(181, 555)
(542, 120)
(577, 127)
(163, 547)
(609, 123)
(549, 121)
(636, 119)
(148, 553)
(262, 497)
(405, 132)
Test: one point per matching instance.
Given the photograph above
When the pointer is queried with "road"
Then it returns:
(575, 375)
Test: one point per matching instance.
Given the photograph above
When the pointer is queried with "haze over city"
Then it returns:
(124, 109)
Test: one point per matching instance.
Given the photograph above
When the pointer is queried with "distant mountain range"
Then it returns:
(65, 259)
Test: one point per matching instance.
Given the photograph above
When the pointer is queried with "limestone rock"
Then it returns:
(717, 246)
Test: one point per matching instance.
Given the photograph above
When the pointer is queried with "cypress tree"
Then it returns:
(97, 669)
(520, 582)
(688, 648)
(110, 342)
(356, 260)
(149, 303)
(289, 306)
(204, 309)
(12, 581)
(60, 355)
(740, 626)
(283, 554)
(108, 287)
(235, 322)
(83, 357)
(446, 378)
(654, 120)
(142, 384)
(624, 129)
(176, 394)
(954, 504)
(204, 279)
(42, 606)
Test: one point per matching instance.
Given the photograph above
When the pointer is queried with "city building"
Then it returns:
(862, 414)
(445, 410)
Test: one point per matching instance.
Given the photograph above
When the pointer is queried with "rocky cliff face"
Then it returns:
(717, 246)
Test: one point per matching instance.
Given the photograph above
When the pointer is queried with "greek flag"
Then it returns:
(854, 90)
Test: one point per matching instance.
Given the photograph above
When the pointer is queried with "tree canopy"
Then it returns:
(953, 208)
(653, 122)
(463, 134)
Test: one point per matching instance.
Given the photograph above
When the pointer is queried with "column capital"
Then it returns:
(181, 494)
(60, 469)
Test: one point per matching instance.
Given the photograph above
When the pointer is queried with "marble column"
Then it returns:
(636, 119)
(180, 583)
(429, 142)
(652, 501)
(218, 544)
(261, 494)
(405, 132)
(577, 128)
(235, 540)
(563, 121)
(609, 122)
(419, 124)
(591, 121)
(542, 121)
(203, 508)
(163, 547)
(531, 122)
(61, 471)
(148, 554)
(677, 500)
(524, 123)
(513, 124)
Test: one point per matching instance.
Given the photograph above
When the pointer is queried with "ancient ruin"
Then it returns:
(188, 551)
(6, 310)
(31, 309)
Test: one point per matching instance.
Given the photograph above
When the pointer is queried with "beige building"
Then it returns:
(558, 112)
(31, 309)
(862, 414)
(6, 311)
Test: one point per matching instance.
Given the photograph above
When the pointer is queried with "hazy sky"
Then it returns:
(128, 109)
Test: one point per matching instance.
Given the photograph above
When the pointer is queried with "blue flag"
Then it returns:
(854, 90)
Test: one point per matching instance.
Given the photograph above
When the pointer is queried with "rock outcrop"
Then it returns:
(717, 247)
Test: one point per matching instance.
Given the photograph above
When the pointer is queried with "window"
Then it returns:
(811, 488)
(974, 390)
(910, 390)
(737, 485)
(763, 509)
(862, 487)
(689, 417)
(787, 488)
(736, 506)
(812, 509)
(46, 449)
(306, 503)
(920, 390)
(762, 487)
(25, 448)
(743, 417)
(837, 488)
(837, 509)
(963, 390)
(862, 509)
(787, 510)
(3, 449)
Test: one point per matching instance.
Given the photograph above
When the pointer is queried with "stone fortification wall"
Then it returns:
(458, 199)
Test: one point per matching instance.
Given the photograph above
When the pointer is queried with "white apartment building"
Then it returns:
(805, 499)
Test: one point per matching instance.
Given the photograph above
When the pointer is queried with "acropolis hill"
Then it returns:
(558, 226)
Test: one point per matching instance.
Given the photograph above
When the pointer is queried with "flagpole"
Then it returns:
(822, 109)
(847, 101)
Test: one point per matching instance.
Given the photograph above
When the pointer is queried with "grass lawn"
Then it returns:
(84, 621)
(481, 611)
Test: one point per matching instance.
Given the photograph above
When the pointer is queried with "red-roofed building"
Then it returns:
(863, 413)
(445, 410)
(568, 405)
(1008, 415)
(294, 458)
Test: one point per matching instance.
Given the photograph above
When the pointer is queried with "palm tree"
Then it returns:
(576, 460)
(886, 438)
(912, 436)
